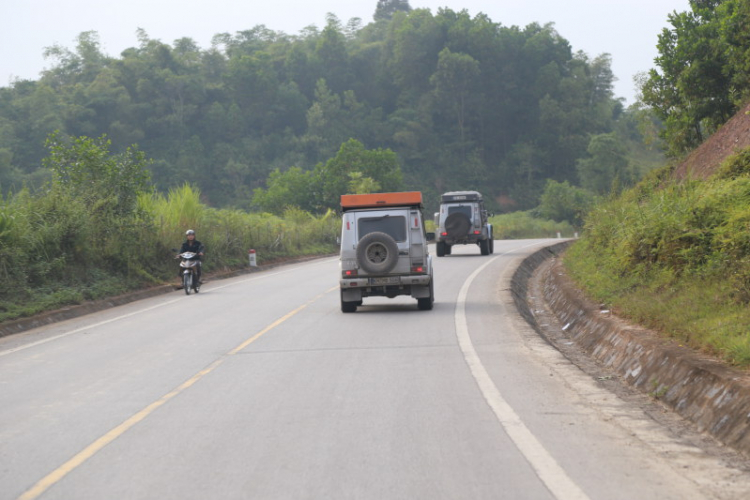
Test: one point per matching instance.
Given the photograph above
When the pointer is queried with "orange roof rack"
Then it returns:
(376, 200)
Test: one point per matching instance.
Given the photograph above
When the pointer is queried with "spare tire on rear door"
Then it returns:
(457, 225)
(377, 253)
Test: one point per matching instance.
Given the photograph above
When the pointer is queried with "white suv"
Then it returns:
(462, 220)
(384, 249)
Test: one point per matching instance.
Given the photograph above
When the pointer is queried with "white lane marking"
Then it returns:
(77, 330)
(89, 451)
(546, 467)
(140, 311)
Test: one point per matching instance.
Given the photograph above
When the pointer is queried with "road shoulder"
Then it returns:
(633, 361)
(74, 311)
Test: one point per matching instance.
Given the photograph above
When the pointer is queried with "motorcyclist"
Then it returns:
(193, 245)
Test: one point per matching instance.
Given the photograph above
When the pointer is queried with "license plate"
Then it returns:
(390, 280)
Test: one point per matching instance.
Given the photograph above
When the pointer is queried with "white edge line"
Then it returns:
(560, 485)
(134, 313)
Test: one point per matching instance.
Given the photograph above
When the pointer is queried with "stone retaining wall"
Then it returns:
(712, 395)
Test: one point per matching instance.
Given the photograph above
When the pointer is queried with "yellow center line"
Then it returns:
(58, 474)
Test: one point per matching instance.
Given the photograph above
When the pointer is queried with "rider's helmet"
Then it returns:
(189, 232)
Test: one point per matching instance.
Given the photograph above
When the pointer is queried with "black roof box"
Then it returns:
(460, 196)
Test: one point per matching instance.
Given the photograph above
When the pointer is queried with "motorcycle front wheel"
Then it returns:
(187, 282)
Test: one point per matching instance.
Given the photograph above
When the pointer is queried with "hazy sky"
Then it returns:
(626, 29)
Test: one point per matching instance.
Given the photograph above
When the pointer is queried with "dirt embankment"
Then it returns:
(730, 138)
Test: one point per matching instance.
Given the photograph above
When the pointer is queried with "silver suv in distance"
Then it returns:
(462, 220)
(384, 249)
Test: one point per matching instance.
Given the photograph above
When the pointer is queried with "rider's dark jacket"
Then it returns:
(196, 247)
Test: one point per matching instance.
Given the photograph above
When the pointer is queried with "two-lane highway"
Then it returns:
(260, 388)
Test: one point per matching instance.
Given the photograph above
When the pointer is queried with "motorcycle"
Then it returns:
(189, 266)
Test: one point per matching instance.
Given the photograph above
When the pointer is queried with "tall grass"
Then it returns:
(229, 234)
(675, 257)
(54, 250)
(520, 225)
(57, 250)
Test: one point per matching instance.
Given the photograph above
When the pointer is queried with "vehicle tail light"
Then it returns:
(350, 273)
(477, 232)
(444, 233)
(417, 269)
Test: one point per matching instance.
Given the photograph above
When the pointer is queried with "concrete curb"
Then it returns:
(712, 395)
(23, 324)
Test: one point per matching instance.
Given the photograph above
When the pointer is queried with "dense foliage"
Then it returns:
(704, 71)
(675, 255)
(98, 229)
(352, 170)
(463, 103)
(523, 225)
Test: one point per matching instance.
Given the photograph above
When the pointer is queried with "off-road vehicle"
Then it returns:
(463, 220)
(384, 249)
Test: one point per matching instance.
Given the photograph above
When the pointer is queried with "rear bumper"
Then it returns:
(472, 238)
(387, 281)
(415, 285)
(466, 239)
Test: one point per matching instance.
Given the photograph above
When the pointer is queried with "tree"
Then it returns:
(386, 8)
(691, 92)
(325, 130)
(292, 188)
(455, 83)
(333, 58)
(253, 83)
(298, 69)
(606, 165)
(10, 176)
(359, 184)
(39, 111)
(735, 31)
(85, 167)
(332, 179)
(563, 202)
(415, 41)
(81, 66)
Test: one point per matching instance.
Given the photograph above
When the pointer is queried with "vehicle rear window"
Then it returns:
(464, 209)
(394, 226)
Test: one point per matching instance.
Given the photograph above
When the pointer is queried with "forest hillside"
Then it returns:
(461, 101)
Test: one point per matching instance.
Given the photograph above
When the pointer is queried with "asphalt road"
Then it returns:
(260, 388)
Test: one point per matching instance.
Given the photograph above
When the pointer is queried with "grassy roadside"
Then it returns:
(695, 312)
(521, 225)
(675, 257)
(56, 251)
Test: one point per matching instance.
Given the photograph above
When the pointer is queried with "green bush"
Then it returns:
(562, 202)
(519, 225)
(675, 256)
(56, 250)
(99, 229)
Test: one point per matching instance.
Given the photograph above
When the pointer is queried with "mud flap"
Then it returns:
(351, 294)
(420, 292)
